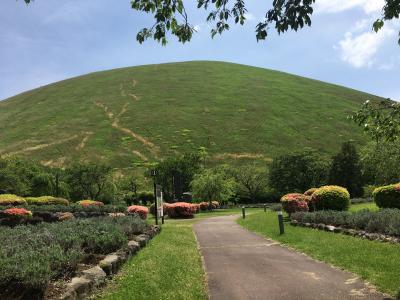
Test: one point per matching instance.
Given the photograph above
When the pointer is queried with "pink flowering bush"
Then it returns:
(142, 211)
(181, 210)
(294, 202)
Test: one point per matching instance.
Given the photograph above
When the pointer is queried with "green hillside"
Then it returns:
(148, 112)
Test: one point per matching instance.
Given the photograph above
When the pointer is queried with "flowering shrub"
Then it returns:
(46, 200)
(387, 196)
(311, 191)
(196, 207)
(17, 212)
(294, 202)
(142, 211)
(181, 210)
(86, 203)
(215, 204)
(204, 206)
(331, 197)
(9, 199)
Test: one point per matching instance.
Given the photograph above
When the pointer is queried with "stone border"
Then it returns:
(352, 232)
(92, 279)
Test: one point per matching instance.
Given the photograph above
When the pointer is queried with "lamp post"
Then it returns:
(280, 220)
(153, 174)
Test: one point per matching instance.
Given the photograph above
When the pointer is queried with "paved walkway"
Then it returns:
(242, 265)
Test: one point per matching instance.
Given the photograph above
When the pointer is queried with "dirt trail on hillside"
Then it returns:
(238, 156)
(82, 144)
(115, 123)
(41, 146)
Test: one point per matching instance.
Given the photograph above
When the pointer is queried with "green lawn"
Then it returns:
(170, 267)
(370, 206)
(376, 262)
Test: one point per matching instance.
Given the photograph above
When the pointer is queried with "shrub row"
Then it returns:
(32, 255)
(386, 221)
(142, 211)
(328, 197)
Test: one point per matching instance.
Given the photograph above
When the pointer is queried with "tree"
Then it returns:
(213, 184)
(170, 16)
(381, 163)
(297, 172)
(251, 183)
(88, 180)
(346, 170)
(175, 174)
(25, 177)
(381, 120)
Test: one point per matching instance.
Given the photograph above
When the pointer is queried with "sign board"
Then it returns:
(160, 202)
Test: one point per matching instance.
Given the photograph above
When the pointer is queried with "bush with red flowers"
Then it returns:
(18, 212)
(294, 202)
(142, 211)
(181, 210)
(86, 203)
(196, 207)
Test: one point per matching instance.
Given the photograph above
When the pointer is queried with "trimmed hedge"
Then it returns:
(311, 191)
(46, 200)
(294, 202)
(11, 200)
(386, 221)
(181, 210)
(331, 197)
(32, 255)
(387, 196)
(142, 211)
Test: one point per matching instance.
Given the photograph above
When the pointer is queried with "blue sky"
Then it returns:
(51, 40)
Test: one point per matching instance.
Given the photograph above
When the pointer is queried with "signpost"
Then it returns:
(153, 174)
(160, 203)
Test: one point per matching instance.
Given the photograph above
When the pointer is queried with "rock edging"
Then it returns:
(352, 232)
(92, 279)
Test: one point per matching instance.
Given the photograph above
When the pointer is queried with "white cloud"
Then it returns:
(359, 50)
(334, 6)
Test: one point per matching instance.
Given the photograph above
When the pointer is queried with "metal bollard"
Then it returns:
(244, 212)
(281, 225)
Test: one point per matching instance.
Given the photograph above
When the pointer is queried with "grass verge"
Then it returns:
(170, 267)
(373, 261)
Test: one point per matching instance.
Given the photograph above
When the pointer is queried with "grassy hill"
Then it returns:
(148, 112)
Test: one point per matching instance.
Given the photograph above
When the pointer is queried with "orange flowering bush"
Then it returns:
(196, 207)
(294, 202)
(17, 212)
(181, 210)
(86, 203)
(142, 211)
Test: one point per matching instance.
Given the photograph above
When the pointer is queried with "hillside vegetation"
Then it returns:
(131, 115)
